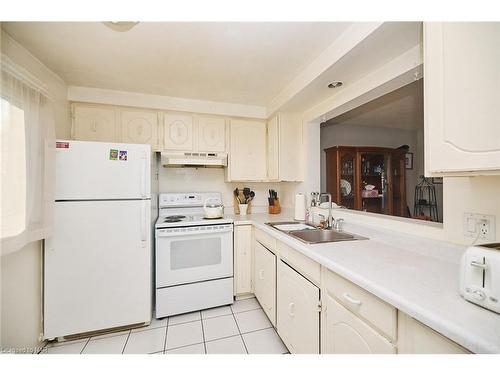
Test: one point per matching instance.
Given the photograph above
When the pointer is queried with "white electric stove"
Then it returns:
(194, 255)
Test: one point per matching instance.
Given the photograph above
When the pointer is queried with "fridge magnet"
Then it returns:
(113, 154)
(123, 155)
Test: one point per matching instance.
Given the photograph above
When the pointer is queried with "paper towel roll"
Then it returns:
(300, 206)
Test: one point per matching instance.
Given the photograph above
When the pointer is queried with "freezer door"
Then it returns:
(97, 170)
(97, 267)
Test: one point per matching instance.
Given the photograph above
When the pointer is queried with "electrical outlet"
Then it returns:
(479, 226)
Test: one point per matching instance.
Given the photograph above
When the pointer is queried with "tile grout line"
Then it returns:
(84, 346)
(165, 341)
(203, 332)
(126, 342)
(241, 335)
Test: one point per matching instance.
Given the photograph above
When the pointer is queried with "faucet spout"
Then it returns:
(330, 219)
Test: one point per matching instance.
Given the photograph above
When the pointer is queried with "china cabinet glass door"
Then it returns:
(374, 186)
(347, 181)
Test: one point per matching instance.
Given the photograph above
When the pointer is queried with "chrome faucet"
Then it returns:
(330, 220)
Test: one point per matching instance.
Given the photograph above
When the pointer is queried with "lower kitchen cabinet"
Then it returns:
(342, 332)
(416, 338)
(297, 311)
(242, 259)
(265, 280)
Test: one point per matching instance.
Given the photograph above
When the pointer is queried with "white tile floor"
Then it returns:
(237, 329)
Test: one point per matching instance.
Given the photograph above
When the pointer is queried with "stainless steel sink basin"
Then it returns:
(313, 236)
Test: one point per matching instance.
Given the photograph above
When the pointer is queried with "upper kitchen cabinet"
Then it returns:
(462, 98)
(140, 127)
(247, 156)
(211, 134)
(93, 123)
(284, 140)
(179, 134)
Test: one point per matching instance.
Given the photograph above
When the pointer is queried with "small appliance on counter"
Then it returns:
(480, 276)
(214, 209)
(194, 254)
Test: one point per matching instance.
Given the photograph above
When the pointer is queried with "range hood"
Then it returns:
(194, 159)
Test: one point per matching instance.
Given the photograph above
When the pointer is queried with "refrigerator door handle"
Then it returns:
(143, 176)
(143, 224)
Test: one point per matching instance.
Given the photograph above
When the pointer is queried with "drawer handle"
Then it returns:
(261, 274)
(291, 309)
(351, 300)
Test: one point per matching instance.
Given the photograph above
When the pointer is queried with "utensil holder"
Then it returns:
(276, 208)
(243, 208)
(236, 205)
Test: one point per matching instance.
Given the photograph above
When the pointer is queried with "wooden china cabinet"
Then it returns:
(351, 170)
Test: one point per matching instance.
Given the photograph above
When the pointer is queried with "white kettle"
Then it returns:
(213, 210)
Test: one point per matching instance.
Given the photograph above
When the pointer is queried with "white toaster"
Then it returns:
(480, 276)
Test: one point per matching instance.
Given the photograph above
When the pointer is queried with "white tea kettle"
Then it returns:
(214, 210)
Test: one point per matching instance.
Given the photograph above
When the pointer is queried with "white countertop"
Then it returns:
(416, 275)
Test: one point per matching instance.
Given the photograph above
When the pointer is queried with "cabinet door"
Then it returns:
(462, 97)
(298, 311)
(415, 338)
(290, 146)
(140, 127)
(179, 132)
(211, 134)
(265, 280)
(273, 149)
(242, 259)
(94, 124)
(342, 332)
(247, 159)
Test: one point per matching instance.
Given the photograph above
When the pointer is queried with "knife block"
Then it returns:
(276, 208)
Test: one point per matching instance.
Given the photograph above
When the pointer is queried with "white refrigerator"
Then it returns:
(98, 262)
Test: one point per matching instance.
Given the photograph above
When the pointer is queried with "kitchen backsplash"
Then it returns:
(211, 179)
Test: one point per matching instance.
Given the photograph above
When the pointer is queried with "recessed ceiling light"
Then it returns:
(120, 26)
(335, 84)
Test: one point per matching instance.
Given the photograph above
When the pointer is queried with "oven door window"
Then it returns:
(195, 253)
(191, 258)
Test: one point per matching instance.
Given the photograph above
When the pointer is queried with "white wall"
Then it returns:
(20, 286)
(21, 297)
(469, 194)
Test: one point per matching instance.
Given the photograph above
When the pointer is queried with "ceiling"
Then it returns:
(388, 42)
(244, 63)
(401, 109)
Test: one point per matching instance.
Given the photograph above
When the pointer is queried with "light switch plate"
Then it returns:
(479, 226)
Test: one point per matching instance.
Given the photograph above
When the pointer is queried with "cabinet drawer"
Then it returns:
(265, 239)
(378, 313)
(306, 266)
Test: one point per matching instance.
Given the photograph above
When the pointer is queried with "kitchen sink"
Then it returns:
(313, 235)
